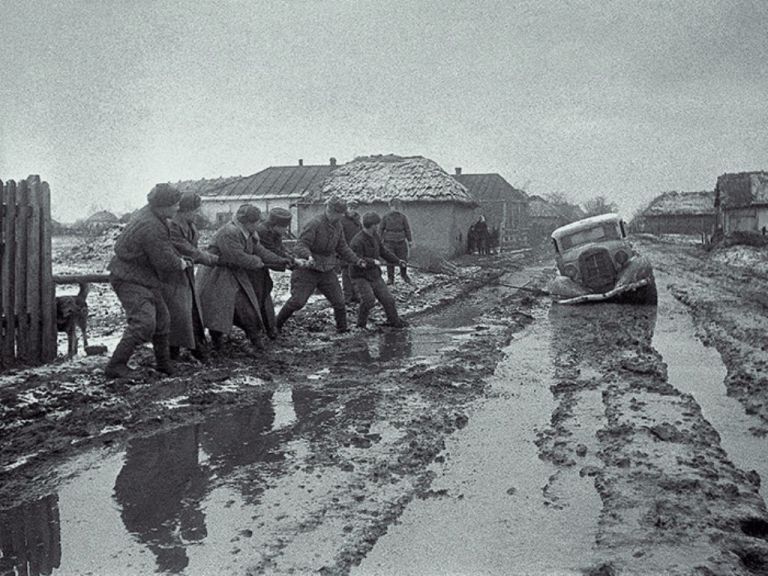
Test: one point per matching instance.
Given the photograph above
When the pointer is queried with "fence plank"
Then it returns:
(8, 274)
(2, 276)
(47, 287)
(34, 302)
(22, 322)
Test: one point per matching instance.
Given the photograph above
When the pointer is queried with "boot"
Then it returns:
(162, 354)
(340, 314)
(282, 316)
(118, 363)
(217, 339)
(175, 352)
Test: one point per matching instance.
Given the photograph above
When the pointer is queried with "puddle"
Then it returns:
(495, 517)
(698, 370)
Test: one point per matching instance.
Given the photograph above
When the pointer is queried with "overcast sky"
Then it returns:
(624, 99)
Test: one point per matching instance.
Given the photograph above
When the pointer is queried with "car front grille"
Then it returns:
(597, 271)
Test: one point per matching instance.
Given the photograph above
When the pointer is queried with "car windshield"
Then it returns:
(607, 231)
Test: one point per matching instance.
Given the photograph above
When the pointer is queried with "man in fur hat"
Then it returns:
(271, 233)
(368, 281)
(227, 293)
(321, 242)
(396, 235)
(144, 260)
(183, 303)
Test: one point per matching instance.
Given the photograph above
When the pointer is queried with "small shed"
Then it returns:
(741, 201)
(678, 213)
(438, 207)
(504, 206)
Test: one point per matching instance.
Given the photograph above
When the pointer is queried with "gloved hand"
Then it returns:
(361, 263)
(186, 263)
(377, 263)
(402, 264)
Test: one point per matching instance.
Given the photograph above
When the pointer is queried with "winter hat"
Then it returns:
(190, 201)
(337, 205)
(248, 214)
(279, 217)
(370, 218)
(163, 196)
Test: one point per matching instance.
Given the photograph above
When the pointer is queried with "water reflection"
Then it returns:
(159, 489)
(30, 538)
(389, 345)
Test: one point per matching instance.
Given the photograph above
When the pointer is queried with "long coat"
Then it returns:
(179, 291)
(217, 287)
(144, 253)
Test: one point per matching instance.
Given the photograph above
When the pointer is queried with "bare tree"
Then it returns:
(558, 198)
(598, 205)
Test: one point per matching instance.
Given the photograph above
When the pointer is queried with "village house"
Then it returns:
(741, 202)
(438, 207)
(276, 186)
(545, 217)
(504, 207)
(96, 223)
(678, 213)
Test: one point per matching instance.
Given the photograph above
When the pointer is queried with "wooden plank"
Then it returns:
(8, 275)
(2, 249)
(34, 301)
(47, 287)
(20, 264)
(77, 278)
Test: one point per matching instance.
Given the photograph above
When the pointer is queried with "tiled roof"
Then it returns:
(490, 187)
(381, 178)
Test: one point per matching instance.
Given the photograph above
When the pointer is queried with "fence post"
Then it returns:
(34, 303)
(47, 287)
(8, 273)
(23, 352)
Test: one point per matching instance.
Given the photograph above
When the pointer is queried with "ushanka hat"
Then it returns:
(337, 205)
(279, 217)
(248, 214)
(190, 201)
(370, 218)
(163, 196)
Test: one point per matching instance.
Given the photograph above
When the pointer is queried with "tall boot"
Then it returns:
(117, 367)
(282, 316)
(162, 354)
(340, 315)
(217, 339)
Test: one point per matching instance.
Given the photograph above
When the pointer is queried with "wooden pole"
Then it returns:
(8, 275)
(34, 293)
(20, 265)
(47, 287)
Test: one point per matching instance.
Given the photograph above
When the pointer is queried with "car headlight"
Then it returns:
(571, 272)
(621, 258)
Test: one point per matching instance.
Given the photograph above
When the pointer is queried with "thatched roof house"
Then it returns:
(678, 213)
(742, 201)
(439, 208)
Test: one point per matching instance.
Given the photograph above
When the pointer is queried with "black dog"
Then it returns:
(71, 314)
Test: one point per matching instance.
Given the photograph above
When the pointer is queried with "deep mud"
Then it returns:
(330, 454)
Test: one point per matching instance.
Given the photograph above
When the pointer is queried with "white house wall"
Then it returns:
(212, 207)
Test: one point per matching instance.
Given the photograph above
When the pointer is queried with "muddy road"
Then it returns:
(498, 434)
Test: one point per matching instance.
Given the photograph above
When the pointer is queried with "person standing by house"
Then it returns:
(144, 260)
(351, 225)
(481, 236)
(396, 236)
(321, 242)
(227, 293)
(183, 304)
(370, 285)
(271, 233)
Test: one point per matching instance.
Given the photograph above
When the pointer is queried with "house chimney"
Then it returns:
(458, 170)
(333, 162)
(301, 161)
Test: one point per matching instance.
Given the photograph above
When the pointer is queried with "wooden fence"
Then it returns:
(27, 301)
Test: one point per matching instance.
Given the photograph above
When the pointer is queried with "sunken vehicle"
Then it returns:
(596, 262)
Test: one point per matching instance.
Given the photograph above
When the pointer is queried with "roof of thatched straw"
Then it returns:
(672, 203)
(368, 179)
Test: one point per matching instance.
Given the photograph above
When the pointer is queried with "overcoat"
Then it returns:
(239, 254)
(179, 292)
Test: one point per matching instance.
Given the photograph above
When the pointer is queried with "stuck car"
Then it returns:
(596, 262)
